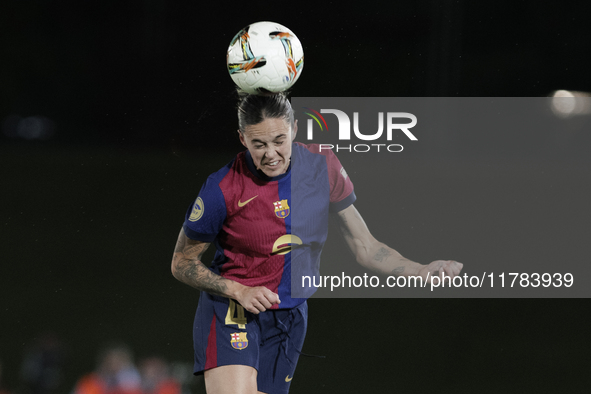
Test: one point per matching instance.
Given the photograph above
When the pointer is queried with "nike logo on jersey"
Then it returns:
(288, 379)
(241, 204)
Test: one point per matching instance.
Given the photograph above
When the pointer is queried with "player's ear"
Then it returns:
(242, 140)
(295, 130)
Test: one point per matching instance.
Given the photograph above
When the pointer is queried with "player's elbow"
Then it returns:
(364, 260)
(174, 267)
(368, 255)
(362, 254)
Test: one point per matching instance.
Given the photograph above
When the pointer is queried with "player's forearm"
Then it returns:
(195, 274)
(387, 261)
(368, 251)
(188, 268)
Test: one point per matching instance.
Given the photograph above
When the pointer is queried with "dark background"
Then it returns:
(114, 113)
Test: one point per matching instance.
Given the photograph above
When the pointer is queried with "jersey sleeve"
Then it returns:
(204, 219)
(341, 187)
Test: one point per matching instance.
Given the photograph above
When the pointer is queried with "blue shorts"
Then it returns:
(224, 333)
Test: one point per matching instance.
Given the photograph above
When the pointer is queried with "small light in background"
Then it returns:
(29, 128)
(566, 103)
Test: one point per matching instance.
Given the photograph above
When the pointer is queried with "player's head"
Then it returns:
(113, 358)
(267, 128)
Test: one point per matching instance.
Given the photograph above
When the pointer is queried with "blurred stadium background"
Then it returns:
(113, 114)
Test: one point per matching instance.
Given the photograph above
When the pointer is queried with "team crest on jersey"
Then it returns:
(281, 209)
(197, 211)
(239, 340)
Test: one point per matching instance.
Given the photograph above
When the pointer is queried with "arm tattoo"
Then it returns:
(382, 254)
(345, 227)
(190, 270)
(397, 271)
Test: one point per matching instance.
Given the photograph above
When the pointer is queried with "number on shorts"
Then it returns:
(235, 315)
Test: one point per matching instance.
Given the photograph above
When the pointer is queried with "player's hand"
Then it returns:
(441, 268)
(257, 299)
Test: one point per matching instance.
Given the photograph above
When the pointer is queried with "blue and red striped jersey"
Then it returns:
(260, 226)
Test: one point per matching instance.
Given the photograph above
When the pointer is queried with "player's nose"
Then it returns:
(271, 153)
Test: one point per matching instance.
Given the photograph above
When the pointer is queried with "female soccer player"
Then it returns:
(248, 330)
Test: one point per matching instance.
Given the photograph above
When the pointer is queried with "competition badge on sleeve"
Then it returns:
(239, 340)
(197, 211)
(281, 209)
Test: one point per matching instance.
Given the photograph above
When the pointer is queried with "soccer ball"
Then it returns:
(265, 56)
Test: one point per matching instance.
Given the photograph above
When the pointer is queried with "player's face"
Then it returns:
(269, 144)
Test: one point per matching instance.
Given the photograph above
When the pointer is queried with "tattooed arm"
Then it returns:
(377, 256)
(188, 268)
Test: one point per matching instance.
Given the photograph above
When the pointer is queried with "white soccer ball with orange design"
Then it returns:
(265, 57)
